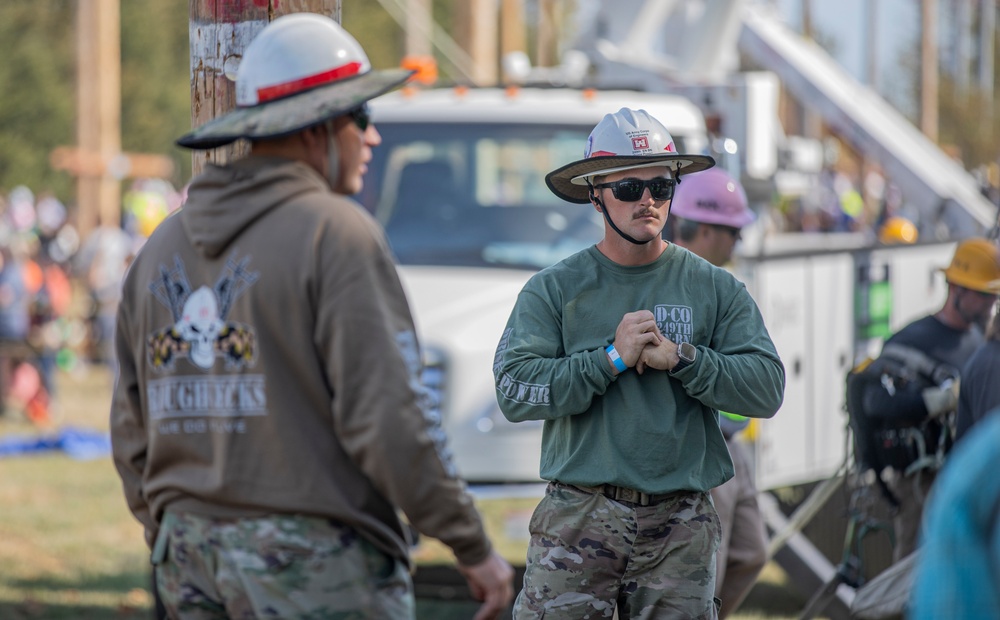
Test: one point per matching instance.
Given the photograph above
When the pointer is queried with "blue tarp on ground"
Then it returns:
(77, 443)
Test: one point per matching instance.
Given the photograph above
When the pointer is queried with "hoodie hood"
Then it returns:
(224, 200)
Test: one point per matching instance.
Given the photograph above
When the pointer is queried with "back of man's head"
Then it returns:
(712, 197)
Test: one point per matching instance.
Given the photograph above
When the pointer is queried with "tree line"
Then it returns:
(38, 82)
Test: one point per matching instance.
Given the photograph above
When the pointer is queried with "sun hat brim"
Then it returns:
(281, 117)
(569, 182)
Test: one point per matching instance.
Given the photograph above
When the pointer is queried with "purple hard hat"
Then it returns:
(712, 197)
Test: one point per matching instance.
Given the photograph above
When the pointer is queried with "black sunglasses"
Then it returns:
(361, 116)
(631, 189)
(982, 294)
(733, 232)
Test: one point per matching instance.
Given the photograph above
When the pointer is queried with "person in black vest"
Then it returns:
(949, 337)
(980, 390)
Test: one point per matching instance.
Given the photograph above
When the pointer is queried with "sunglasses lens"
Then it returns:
(628, 190)
(661, 189)
(735, 233)
(361, 117)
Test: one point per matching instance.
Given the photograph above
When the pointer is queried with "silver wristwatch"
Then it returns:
(687, 353)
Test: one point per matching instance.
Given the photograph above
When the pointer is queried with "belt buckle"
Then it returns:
(625, 494)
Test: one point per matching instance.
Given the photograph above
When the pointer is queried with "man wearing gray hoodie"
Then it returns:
(268, 422)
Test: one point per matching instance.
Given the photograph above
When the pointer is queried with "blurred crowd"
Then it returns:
(850, 198)
(59, 289)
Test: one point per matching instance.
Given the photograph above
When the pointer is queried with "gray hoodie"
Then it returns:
(268, 364)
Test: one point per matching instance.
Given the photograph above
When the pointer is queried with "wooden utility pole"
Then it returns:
(960, 44)
(807, 21)
(546, 34)
(871, 44)
(418, 28)
(476, 33)
(96, 159)
(98, 127)
(220, 32)
(987, 32)
(928, 69)
(513, 35)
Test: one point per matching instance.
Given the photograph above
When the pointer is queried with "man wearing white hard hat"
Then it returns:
(708, 213)
(268, 423)
(627, 351)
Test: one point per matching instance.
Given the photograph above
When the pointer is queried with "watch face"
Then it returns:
(687, 351)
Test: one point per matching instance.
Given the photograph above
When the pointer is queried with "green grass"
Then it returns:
(70, 549)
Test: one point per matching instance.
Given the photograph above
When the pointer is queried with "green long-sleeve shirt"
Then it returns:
(654, 432)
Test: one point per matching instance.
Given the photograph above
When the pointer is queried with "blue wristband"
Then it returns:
(615, 358)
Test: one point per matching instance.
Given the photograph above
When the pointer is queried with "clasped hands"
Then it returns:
(640, 343)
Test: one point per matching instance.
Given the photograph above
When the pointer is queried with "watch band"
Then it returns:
(615, 358)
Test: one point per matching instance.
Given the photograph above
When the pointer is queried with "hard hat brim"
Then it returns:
(738, 220)
(954, 276)
(282, 117)
(569, 182)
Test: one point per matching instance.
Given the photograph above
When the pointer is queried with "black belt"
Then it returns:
(631, 496)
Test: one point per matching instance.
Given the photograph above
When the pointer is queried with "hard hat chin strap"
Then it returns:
(332, 157)
(607, 216)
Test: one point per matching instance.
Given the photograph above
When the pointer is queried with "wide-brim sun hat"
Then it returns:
(301, 70)
(625, 140)
(712, 197)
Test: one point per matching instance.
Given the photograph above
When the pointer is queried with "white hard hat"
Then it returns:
(624, 140)
(300, 70)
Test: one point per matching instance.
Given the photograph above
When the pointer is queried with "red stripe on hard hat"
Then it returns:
(296, 86)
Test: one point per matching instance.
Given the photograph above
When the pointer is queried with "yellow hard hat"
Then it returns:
(975, 265)
(897, 229)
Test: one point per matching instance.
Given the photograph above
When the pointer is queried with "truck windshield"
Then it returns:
(466, 194)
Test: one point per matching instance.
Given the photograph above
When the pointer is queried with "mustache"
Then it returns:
(644, 213)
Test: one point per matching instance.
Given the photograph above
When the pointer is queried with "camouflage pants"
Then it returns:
(276, 567)
(589, 554)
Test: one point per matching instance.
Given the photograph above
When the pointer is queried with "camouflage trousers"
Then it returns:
(589, 555)
(276, 567)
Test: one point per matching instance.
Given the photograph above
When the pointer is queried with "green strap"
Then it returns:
(162, 536)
